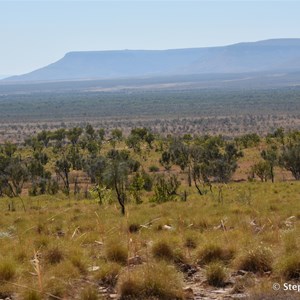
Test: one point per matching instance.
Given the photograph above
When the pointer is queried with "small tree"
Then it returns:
(290, 159)
(116, 176)
(116, 136)
(136, 186)
(74, 135)
(270, 155)
(62, 169)
(165, 188)
(165, 160)
(262, 170)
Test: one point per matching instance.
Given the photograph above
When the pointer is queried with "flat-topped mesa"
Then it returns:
(268, 55)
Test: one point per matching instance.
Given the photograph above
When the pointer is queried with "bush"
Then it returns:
(213, 252)
(216, 274)
(258, 260)
(155, 281)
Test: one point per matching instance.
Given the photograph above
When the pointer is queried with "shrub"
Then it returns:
(216, 274)
(155, 281)
(213, 252)
(7, 270)
(257, 261)
(116, 252)
(289, 267)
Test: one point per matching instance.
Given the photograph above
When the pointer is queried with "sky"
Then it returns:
(36, 33)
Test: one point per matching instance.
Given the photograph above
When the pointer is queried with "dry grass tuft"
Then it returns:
(258, 260)
(54, 255)
(289, 267)
(89, 293)
(108, 274)
(133, 228)
(153, 281)
(163, 250)
(214, 252)
(116, 252)
(31, 295)
(7, 270)
(216, 274)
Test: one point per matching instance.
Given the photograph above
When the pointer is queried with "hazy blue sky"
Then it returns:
(36, 33)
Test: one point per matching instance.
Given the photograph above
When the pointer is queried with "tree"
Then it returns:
(95, 167)
(133, 141)
(290, 159)
(39, 176)
(262, 170)
(44, 137)
(226, 164)
(136, 186)
(62, 169)
(116, 176)
(271, 156)
(165, 160)
(90, 132)
(74, 134)
(116, 136)
(74, 157)
(13, 175)
(181, 156)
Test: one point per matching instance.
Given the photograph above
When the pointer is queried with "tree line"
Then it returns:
(115, 165)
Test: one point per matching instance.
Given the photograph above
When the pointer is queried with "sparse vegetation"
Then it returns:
(67, 216)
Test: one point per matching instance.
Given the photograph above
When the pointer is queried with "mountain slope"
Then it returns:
(269, 55)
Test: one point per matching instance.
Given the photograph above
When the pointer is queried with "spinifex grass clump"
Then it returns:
(89, 293)
(216, 274)
(115, 251)
(31, 295)
(7, 270)
(214, 252)
(289, 267)
(108, 274)
(167, 250)
(256, 260)
(54, 255)
(163, 250)
(151, 281)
